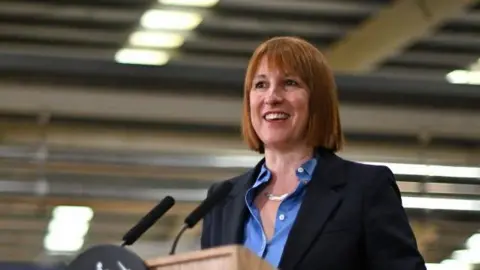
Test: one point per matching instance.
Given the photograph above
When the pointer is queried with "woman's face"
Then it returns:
(278, 107)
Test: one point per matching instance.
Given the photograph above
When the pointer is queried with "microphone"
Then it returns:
(118, 257)
(148, 220)
(198, 213)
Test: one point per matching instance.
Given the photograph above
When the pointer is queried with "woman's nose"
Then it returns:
(274, 96)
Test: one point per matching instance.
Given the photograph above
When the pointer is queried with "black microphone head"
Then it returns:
(216, 196)
(148, 220)
(107, 257)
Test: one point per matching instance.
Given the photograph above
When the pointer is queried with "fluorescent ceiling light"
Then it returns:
(473, 243)
(431, 170)
(464, 77)
(466, 256)
(464, 259)
(450, 264)
(67, 228)
(434, 266)
(247, 161)
(169, 19)
(194, 3)
(143, 57)
(156, 39)
(440, 203)
(72, 213)
(59, 243)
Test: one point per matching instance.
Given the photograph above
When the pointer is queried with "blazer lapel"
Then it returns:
(235, 209)
(321, 198)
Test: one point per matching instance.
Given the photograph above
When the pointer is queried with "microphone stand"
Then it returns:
(177, 238)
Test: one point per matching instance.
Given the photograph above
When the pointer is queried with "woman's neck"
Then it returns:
(285, 163)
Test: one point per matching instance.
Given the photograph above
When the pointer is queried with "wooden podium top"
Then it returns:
(228, 257)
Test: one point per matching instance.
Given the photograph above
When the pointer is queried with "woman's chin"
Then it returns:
(276, 143)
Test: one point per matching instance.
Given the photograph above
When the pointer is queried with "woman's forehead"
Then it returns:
(275, 65)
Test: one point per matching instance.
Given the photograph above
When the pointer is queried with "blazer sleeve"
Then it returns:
(389, 240)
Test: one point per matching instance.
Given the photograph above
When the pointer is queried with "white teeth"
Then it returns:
(276, 116)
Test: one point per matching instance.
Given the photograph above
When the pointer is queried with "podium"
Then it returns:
(232, 257)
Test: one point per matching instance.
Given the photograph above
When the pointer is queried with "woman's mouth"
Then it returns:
(276, 116)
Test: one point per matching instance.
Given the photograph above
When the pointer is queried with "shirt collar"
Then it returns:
(304, 172)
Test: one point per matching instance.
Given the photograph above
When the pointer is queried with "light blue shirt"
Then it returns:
(255, 238)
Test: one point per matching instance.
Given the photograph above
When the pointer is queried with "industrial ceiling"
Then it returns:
(83, 124)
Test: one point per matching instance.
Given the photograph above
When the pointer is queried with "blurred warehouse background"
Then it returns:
(109, 105)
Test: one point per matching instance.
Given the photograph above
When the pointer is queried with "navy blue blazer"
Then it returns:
(351, 219)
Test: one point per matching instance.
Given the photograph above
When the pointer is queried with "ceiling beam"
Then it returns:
(100, 205)
(180, 76)
(109, 171)
(102, 103)
(64, 140)
(390, 31)
(303, 7)
(55, 33)
(67, 13)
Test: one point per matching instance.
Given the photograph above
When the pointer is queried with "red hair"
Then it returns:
(297, 56)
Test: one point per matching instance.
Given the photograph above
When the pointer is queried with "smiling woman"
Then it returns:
(292, 70)
(302, 206)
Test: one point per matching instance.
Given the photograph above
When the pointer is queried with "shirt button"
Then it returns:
(300, 170)
(281, 217)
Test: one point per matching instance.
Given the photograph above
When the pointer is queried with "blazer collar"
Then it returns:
(235, 206)
(322, 196)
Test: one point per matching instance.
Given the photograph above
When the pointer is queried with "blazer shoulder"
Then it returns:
(368, 174)
(368, 167)
(213, 220)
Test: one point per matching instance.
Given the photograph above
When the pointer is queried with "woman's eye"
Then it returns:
(260, 85)
(291, 83)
